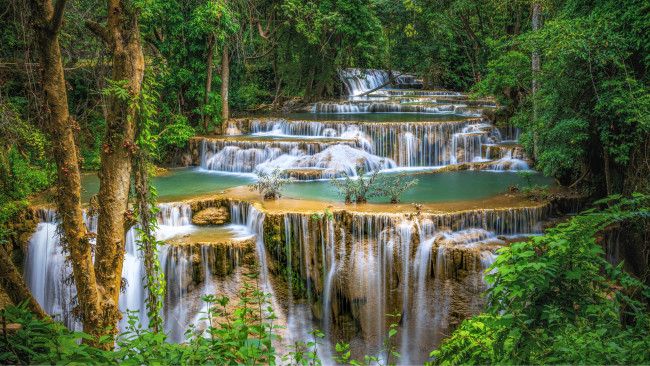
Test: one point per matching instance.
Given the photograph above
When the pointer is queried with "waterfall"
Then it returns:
(359, 81)
(409, 144)
(507, 162)
(49, 277)
(46, 270)
(330, 247)
(383, 107)
(422, 266)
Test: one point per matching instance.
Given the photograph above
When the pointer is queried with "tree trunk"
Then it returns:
(536, 68)
(310, 82)
(14, 285)
(537, 23)
(608, 172)
(225, 83)
(208, 83)
(46, 20)
(122, 36)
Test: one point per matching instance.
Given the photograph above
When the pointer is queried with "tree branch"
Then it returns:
(99, 30)
(390, 80)
(57, 16)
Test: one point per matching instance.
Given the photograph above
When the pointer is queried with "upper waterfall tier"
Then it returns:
(402, 107)
(328, 148)
(359, 81)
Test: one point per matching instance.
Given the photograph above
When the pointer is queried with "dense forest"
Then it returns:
(118, 89)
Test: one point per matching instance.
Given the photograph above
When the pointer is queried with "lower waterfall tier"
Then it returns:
(340, 275)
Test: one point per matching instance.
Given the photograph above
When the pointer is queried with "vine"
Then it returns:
(143, 151)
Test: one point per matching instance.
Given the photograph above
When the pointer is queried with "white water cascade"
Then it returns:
(359, 81)
(407, 145)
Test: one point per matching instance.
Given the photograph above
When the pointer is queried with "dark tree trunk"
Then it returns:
(536, 68)
(225, 84)
(208, 83)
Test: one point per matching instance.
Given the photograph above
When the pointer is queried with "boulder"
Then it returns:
(211, 216)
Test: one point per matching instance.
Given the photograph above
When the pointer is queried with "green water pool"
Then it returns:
(180, 183)
(431, 187)
(185, 183)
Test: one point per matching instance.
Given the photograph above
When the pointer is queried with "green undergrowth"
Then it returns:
(556, 300)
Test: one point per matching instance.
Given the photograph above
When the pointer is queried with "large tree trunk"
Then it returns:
(225, 83)
(208, 83)
(46, 20)
(536, 68)
(122, 36)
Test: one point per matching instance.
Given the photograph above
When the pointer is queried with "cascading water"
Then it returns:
(351, 269)
(49, 277)
(410, 144)
(430, 268)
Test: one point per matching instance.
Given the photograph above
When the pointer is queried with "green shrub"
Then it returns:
(556, 300)
(175, 136)
(270, 185)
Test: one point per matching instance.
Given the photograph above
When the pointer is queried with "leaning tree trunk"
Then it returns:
(122, 36)
(536, 68)
(225, 83)
(46, 20)
(208, 83)
(14, 285)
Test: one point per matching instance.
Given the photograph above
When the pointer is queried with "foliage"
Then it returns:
(361, 186)
(24, 168)
(270, 185)
(326, 214)
(305, 353)
(328, 35)
(175, 136)
(394, 187)
(241, 337)
(536, 193)
(45, 342)
(589, 116)
(556, 300)
(145, 198)
(181, 35)
(390, 351)
(526, 175)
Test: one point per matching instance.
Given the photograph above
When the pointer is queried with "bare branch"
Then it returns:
(99, 30)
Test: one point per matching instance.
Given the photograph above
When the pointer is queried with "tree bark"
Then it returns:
(122, 36)
(225, 83)
(537, 23)
(208, 83)
(46, 20)
(536, 68)
(608, 172)
(14, 285)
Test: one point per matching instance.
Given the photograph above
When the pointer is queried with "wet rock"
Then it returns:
(211, 216)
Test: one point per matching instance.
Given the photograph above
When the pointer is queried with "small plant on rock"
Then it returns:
(526, 175)
(394, 187)
(270, 185)
(360, 187)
